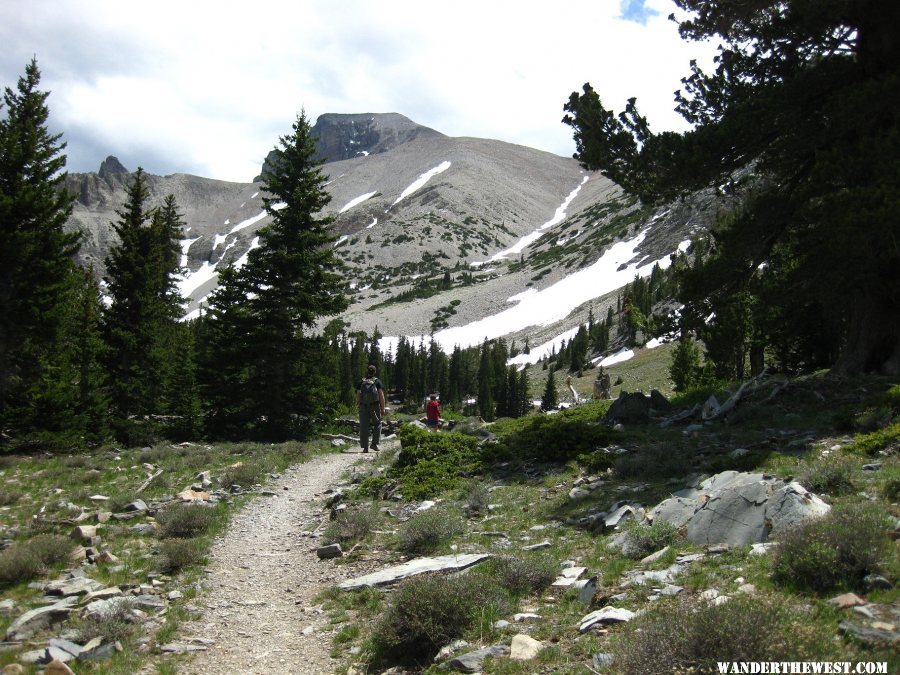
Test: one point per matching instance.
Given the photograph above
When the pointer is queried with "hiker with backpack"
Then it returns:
(370, 399)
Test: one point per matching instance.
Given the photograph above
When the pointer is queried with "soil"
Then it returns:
(259, 613)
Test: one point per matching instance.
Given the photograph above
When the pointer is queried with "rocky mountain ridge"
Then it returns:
(418, 207)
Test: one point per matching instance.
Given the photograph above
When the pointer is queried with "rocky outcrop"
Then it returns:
(739, 508)
(340, 136)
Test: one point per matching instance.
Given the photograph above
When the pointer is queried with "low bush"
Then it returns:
(642, 539)
(428, 464)
(51, 549)
(18, 564)
(523, 575)
(692, 636)
(829, 475)
(186, 520)
(475, 497)
(891, 489)
(246, 474)
(176, 554)
(835, 551)
(9, 497)
(429, 612)
(885, 441)
(560, 437)
(350, 526)
(25, 561)
(426, 531)
(653, 461)
(116, 625)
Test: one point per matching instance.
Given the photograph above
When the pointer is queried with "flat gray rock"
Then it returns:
(394, 574)
(737, 508)
(33, 620)
(605, 615)
(473, 661)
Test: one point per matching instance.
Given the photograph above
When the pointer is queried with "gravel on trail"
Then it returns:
(258, 610)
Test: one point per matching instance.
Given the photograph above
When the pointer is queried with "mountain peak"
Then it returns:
(111, 166)
(347, 135)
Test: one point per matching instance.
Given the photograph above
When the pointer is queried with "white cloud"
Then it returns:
(208, 87)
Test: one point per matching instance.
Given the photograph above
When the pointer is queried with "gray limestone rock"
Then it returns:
(34, 620)
(473, 662)
(605, 615)
(390, 575)
(738, 508)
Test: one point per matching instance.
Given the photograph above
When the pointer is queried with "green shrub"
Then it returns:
(186, 520)
(18, 564)
(642, 539)
(560, 437)
(9, 497)
(428, 464)
(51, 549)
(829, 475)
(350, 526)
(246, 474)
(835, 551)
(686, 636)
(115, 625)
(176, 554)
(890, 491)
(475, 497)
(428, 612)
(885, 440)
(525, 574)
(25, 561)
(426, 531)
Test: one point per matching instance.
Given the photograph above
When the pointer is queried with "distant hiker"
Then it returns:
(432, 413)
(370, 399)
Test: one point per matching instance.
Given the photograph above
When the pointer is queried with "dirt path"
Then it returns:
(262, 577)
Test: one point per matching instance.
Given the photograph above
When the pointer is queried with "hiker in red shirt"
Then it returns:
(432, 413)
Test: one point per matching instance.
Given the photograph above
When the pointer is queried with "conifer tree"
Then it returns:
(486, 402)
(799, 119)
(525, 404)
(139, 324)
(550, 399)
(35, 252)
(287, 284)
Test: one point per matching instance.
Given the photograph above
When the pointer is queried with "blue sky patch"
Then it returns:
(636, 10)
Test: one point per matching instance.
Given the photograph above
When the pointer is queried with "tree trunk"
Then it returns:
(873, 339)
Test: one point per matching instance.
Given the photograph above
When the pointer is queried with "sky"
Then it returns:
(207, 88)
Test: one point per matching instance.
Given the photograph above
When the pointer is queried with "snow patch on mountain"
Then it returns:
(529, 239)
(359, 200)
(421, 180)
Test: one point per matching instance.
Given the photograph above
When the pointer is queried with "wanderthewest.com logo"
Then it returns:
(791, 667)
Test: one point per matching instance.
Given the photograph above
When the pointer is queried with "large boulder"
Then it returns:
(637, 407)
(739, 508)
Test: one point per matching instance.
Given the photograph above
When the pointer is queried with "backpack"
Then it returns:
(368, 391)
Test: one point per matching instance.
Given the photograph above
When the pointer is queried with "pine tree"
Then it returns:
(486, 402)
(550, 399)
(287, 284)
(525, 405)
(35, 253)
(139, 324)
(799, 120)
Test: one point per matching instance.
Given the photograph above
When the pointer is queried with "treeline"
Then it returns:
(475, 379)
